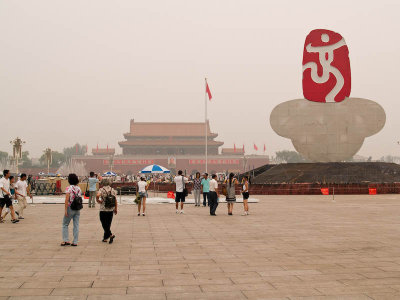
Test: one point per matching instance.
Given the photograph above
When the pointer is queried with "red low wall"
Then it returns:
(296, 189)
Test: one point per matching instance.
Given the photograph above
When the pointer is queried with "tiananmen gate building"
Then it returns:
(176, 146)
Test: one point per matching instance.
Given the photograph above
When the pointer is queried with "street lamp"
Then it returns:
(49, 158)
(17, 151)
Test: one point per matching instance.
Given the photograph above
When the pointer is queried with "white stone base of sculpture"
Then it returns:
(327, 132)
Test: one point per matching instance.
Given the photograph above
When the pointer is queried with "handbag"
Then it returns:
(185, 191)
(87, 193)
(224, 190)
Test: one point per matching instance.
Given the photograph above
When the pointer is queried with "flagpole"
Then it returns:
(205, 123)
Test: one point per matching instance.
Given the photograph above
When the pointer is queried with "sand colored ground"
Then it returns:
(290, 247)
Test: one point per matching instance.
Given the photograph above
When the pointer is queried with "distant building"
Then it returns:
(176, 146)
(169, 139)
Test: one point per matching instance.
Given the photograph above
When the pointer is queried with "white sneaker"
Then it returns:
(244, 214)
(177, 211)
(182, 212)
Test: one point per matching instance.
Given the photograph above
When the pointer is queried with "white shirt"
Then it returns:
(179, 183)
(142, 186)
(5, 184)
(213, 185)
(21, 187)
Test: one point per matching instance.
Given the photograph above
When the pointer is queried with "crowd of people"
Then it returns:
(13, 197)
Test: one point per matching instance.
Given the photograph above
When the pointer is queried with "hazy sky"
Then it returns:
(78, 71)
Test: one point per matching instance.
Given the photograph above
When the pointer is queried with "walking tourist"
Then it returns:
(92, 181)
(73, 205)
(21, 191)
(230, 192)
(205, 183)
(214, 195)
(142, 190)
(245, 193)
(180, 182)
(107, 198)
(197, 189)
(13, 198)
(5, 196)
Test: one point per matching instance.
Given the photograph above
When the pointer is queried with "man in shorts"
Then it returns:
(5, 196)
(180, 181)
(21, 192)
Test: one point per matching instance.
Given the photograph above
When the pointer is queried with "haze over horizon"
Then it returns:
(78, 71)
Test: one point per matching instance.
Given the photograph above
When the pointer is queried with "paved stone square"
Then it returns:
(290, 247)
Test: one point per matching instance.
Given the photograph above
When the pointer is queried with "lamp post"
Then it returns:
(111, 159)
(49, 158)
(17, 151)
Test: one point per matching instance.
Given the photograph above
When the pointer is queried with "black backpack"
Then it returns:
(109, 199)
(77, 202)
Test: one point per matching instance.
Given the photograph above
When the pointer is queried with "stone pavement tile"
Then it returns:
(197, 281)
(212, 295)
(329, 277)
(128, 297)
(341, 297)
(262, 294)
(373, 282)
(347, 290)
(93, 277)
(88, 291)
(56, 284)
(225, 274)
(11, 284)
(31, 278)
(247, 279)
(24, 292)
(350, 270)
(275, 279)
(47, 298)
(126, 283)
(290, 272)
(164, 289)
(381, 275)
(177, 276)
(308, 284)
(385, 296)
(16, 274)
(235, 287)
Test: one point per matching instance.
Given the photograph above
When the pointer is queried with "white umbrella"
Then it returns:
(155, 169)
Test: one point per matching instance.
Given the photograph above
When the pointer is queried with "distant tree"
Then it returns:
(3, 155)
(26, 161)
(57, 159)
(76, 149)
(287, 156)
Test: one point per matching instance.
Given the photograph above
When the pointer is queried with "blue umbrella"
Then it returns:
(155, 169)
(109, 173)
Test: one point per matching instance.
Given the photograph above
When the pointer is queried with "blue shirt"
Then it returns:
(206, 185)
(92, 184)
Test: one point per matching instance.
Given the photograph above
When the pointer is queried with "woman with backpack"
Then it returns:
(73, 205)
(107, 198)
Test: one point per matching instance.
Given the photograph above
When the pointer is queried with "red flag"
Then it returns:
(243, 148)
(107, 148)
(255, 147)
(97, 149)
(265, 148)
(234, 147)
(208, 91)
(76, 148)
